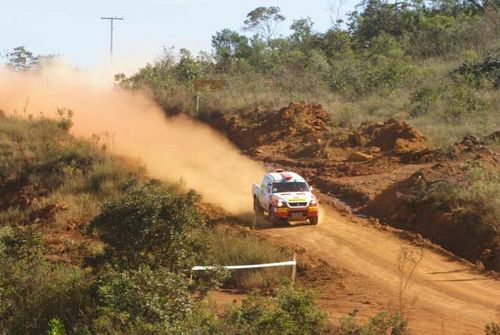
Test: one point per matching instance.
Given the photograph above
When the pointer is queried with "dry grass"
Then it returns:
(232, 248)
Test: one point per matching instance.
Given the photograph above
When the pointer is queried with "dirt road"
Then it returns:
(444, 296)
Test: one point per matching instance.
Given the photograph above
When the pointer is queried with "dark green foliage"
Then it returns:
(229, 46)
(153, 226)
(485, 72)
(142, 301)
(290, 311)
(422, 100)
(380, 324)
(32, 291)
(390, 56)
(380, 16)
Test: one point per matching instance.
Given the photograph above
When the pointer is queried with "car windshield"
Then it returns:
(290, 187)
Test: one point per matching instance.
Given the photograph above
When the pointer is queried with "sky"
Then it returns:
(73, 29)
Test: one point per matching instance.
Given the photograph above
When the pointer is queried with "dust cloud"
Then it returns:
(172, 149)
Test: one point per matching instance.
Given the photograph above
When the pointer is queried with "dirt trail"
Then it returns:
(445, 296)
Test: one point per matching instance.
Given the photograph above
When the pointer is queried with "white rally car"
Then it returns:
(285, 196)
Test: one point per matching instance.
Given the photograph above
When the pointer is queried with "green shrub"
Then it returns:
(156, 226)
(483, 73)
(290, 311)
(32, 291)
(142, 301)
(56, 327)
(423, 100)
(153, 225)
(380, 324)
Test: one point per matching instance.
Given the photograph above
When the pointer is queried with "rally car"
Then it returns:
(286, 197)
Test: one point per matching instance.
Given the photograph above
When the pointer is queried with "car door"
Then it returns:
(262, 192)
(267, 194)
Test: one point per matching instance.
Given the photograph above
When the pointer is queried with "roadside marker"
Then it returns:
(292, 263)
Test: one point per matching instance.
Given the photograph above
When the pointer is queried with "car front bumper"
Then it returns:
(296, 214)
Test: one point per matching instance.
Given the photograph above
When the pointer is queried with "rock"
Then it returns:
(385, 134)
(356, 139)
(493, 137)
(403, 146)
(357, 156)
(471, 140)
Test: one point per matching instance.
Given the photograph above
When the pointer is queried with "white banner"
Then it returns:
(251, 266)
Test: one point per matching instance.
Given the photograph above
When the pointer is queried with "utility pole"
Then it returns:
(111, 20)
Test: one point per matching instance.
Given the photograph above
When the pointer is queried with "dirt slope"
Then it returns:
(445, 295)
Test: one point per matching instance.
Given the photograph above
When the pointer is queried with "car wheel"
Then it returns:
(259, 213)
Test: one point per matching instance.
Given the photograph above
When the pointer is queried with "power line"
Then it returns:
(111, 20)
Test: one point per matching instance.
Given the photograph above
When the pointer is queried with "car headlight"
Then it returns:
(280, 204)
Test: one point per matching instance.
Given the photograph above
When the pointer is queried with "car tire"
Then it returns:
(273, 220)
(314, 221)
(259, 212)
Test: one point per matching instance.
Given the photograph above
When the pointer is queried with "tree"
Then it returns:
(188, 68)
(229, 45)
(379, 16)
(21, 59)
(302, 31)
(264, 21)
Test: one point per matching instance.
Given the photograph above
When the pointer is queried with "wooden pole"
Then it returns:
(197, 103)
(294, 269)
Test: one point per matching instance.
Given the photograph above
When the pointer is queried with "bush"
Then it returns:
(479, 74)
(380, 324)
(291, 311)
(423, 100)
(32, 291)
(142, 301)
(154, 226)
(159, 227)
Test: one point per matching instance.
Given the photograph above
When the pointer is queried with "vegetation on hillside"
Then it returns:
(90, 245)
(434, 63)
(88, 240)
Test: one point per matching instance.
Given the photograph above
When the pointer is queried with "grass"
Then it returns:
(42, 165)
(242, 248)
(458, 109)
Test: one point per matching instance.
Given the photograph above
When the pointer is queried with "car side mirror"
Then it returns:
(311, 188)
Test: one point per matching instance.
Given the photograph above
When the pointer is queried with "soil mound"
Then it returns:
(390, 135)
(286, 130)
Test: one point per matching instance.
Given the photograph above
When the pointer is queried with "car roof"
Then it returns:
(286, 176)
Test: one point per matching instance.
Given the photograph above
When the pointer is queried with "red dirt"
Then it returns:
(367, 168)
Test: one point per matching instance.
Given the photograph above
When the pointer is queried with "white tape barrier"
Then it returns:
(251, 266)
